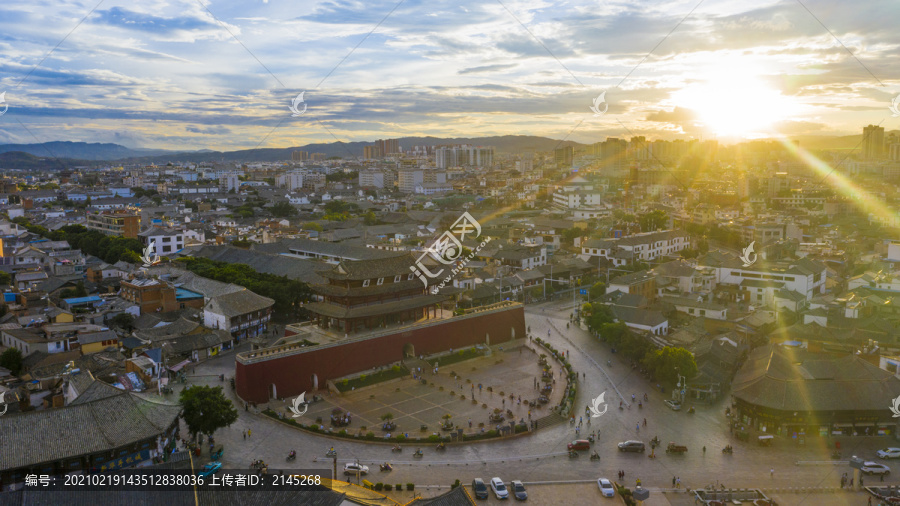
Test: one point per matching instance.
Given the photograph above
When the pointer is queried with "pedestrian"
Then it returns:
(678, 482)
(704, 450)
(645, 422)
(843, 481)
(772, 472)
(870, 500)
(245, 435)
(248, 432)
(673, 481)
(851, 482)
(470, 423)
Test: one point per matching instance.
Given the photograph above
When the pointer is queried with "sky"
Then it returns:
(200, 74)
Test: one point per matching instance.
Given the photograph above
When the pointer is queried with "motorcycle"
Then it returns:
(646, 398)
(640, 405)
(440, 447)
(386, 467)
(291, 456)
(595, 456)
(573, 454)
(397, 449)
(331, 453)
(591, 438)
(691, 410)
(728, 449)
(418, 453)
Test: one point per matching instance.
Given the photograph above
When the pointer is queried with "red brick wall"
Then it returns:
(293, 375)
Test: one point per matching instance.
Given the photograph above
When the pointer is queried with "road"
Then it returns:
(541, 457)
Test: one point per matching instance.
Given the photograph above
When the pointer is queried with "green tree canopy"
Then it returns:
(654, 220)
(283, 210)
(123, 321)
(206, 409)
(12, 360)
(597, 290)
(668, 363)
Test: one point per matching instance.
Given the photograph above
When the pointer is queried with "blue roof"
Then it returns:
(183, 293)
(155, 354)
(83, 300)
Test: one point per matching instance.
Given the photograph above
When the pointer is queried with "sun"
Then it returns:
(735, 102)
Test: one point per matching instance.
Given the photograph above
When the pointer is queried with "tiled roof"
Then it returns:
(638, 316)
(96, 337)
(175, 329)
(455, 497)
(371, 269)
(238, 303)
(785, 379)
(336, 311)
(79, 429)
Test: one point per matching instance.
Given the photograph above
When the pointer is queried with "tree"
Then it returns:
(669, 362)
(5, 278)
(206, 409)
(370, 219)
(311, 225)
(283, 210)
(123, 321)
(12, 360)
(597, 290)
(654, 220)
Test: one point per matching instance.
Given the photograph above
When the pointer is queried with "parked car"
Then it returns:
(675, 405)
(606, 487)
(353, 469)
(518, 490)
(479, 489)
(875, 468)
(631, 446)
(579, 444)
(499, 488)
(889, 453)
(210, 469)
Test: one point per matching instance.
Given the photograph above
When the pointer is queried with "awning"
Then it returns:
(177, 367)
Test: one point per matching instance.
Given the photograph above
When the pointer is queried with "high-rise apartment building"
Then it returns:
(291, 180)
(446, 157)
(408, 179)
(299, 156)
(564, 156)
(873, 142)
(230, 181)
(372, 152)
(388, 147)
(317, 157)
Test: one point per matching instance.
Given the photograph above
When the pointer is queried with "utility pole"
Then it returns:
(334, 466)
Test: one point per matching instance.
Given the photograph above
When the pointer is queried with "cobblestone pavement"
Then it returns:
(540, 456)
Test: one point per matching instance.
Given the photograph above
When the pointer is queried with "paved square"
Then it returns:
(413, 404)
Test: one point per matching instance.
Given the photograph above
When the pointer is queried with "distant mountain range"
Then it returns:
(60, 154)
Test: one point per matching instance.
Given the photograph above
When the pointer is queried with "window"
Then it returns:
(365, 283)
(166, 249)
(380, 281)
(397, 278)
(167, 239)
(409, 277)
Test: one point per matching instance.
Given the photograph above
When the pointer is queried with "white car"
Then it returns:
(875, 468)
(889, 453)
(606, 487)
(675, 405)
(354, 469)
(499, 488)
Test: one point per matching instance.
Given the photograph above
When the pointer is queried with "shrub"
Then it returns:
(362, 377)
(396, 368)
(343, 432)
(434, 438)
(484, 406)
(345, 381)
(362, 428)
(491, 433)
(388, 487)
(401, 438)
(314, 427)
(370, 436)
(441, 389)
(410, 486)
(379, 486)
(398, 487)
(455, 483)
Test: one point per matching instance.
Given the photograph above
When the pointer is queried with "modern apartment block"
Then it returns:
(115, 223)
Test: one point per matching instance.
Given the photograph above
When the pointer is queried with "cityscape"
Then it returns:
(398, 253)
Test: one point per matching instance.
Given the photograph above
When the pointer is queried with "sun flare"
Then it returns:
(735, 102)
